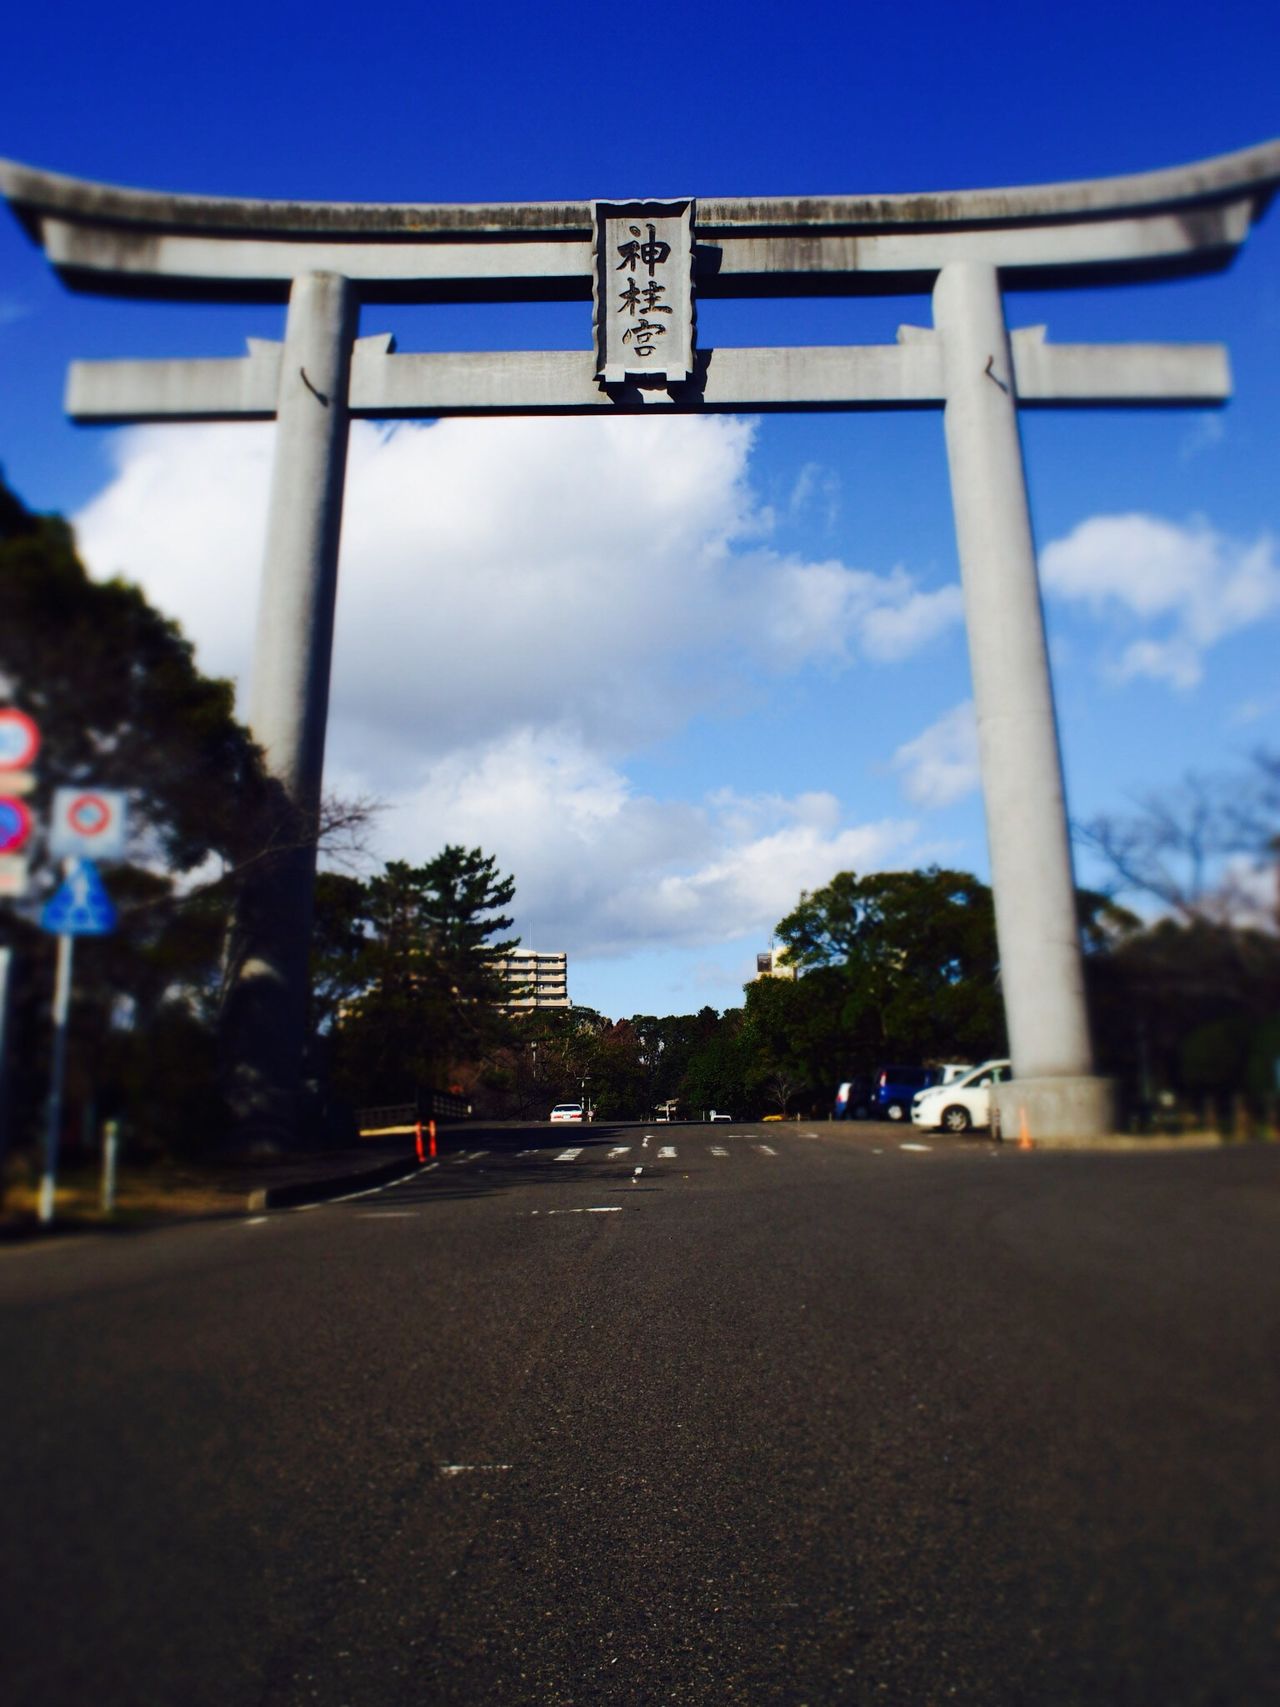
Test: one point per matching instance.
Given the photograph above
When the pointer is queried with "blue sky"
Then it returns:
(665, 739)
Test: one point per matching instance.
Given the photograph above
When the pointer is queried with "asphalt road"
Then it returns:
(797, 1415)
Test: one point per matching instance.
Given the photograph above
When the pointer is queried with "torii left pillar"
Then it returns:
(265, 993)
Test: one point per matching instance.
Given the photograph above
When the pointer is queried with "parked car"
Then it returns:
(853, 1099)
(567, 1111)
(963, 1104)
(892, 1090)
(950, 1071)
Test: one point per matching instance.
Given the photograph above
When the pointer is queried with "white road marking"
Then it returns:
(256, 1221)
(471, 1469)
(601, 1209)
(667, 1153)
(388, 1215)
(568, 1155)
(925, 1147)
(718, 1150)
(620, 1150)
(766, 1150)
(373, 1190)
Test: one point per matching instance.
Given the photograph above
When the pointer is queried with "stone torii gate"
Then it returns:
(643, 264)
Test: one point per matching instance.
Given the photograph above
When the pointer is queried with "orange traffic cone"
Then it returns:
(1024, 1137)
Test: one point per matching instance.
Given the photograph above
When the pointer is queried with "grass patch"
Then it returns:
(145, 1195)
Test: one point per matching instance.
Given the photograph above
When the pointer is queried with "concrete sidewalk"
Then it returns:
(172, 1192)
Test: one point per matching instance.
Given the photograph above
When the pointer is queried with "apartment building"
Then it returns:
(773, 963)
(537, 980)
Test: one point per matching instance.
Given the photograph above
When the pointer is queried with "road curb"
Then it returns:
(299, 1193)
(1127, 1142)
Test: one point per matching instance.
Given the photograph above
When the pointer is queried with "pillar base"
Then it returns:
(1053, 1111)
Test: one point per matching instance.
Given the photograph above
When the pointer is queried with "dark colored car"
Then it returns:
(892, 1089)
(853, 1099)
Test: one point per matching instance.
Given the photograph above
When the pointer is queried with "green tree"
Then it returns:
(914, 957)
(120, 702)
(800, 1035)
(429, 996)
(1189, 1007)
(718, 1071)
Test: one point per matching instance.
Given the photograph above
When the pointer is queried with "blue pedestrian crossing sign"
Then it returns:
(82, 906)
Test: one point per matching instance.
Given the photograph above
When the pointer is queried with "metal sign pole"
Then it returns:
(57, 1068)
(110, 1154)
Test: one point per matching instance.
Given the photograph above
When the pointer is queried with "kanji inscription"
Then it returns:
(644, 292)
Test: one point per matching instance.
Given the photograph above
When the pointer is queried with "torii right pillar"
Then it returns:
(1054, 1093)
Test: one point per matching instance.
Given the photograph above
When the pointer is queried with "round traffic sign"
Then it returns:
(89, 815)
(15, 825)
(19, 739)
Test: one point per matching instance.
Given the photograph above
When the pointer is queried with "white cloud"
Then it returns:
(941, 764)
(601, 576)
(523, 605)
(816, 488)
(1197, 584)
(602, 869)
(827, 611)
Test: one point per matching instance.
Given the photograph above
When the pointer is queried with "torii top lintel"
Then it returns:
(112, 240)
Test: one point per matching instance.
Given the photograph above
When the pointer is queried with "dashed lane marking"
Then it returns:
(598, 1209)
(620, 1150)
(925, 1147)
(766, 1149)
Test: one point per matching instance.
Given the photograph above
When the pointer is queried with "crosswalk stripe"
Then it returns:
(718, 1150)
(568, 1155)
(667, 1153)
(620, 1150)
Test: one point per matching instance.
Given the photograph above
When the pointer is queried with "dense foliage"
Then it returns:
(120, 703)
(406, 992)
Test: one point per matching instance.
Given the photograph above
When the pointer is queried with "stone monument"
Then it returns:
(643, 264)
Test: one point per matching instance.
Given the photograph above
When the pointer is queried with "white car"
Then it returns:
(964, 1103)
(566, 1111)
